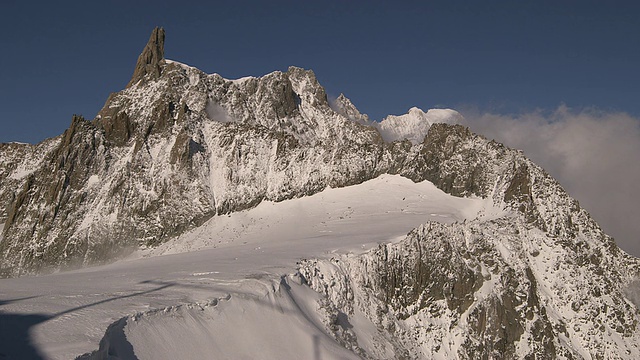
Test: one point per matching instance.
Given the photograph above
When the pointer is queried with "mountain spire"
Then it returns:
(151, 59)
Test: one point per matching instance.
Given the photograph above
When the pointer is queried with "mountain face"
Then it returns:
(543, 282)
(177, 147)
(174, 148)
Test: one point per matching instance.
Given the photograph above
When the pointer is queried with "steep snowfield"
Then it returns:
(234, 288)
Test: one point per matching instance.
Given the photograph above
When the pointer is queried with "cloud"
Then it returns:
(595, 155)
(216, 112)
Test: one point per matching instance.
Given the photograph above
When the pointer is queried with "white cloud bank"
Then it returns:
(595, 155)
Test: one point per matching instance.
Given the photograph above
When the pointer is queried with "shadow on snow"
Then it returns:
(15, 329)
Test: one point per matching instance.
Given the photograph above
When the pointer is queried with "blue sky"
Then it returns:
(506, 57)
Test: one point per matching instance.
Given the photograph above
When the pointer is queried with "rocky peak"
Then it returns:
(306, 85)
(151, 60)
(343, 106)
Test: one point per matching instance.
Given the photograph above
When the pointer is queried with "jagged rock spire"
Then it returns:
(151, 59)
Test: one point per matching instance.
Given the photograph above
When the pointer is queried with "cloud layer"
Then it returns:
(595, 155)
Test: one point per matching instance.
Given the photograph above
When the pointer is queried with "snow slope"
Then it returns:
(233, 288)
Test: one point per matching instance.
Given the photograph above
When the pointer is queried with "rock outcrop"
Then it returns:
(151, 60)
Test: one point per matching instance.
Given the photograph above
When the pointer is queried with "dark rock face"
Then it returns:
(151, 60)
(409, 277)
(119, 129)
(52, 197)
(457, 161)
(17, 161)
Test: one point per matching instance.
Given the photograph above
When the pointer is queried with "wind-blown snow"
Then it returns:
(183, 65)
(238, 275)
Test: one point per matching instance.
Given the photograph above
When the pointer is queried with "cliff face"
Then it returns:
(150, 62)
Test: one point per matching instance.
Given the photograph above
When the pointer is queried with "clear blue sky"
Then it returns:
(61, 58)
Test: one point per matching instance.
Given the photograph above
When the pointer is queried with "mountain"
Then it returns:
(179, 147)
(542, 282)
(173, 149)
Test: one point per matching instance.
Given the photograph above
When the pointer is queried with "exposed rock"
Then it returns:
(344, 106)
(51, 199)
(476, 291)
(151, 60)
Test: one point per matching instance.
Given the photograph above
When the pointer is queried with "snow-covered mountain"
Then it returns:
(527, 274)
(542, 281)
(175, 148)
